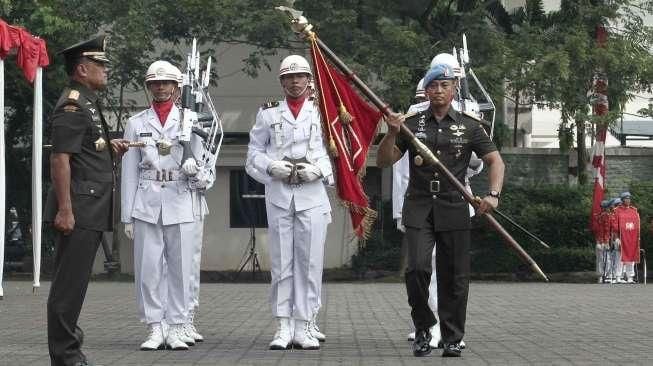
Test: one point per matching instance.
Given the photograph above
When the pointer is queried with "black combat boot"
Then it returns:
(421, 345)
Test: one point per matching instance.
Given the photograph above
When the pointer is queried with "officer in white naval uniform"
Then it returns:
(400, 176)
(287, 154)
(158, 211)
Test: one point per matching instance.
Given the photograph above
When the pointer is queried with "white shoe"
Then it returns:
(315, 330)
(184, 336)
(282, 338)
(630, 280)
(462, 344)
(191, 332)
(155, 339)
(436, 337)
(411, 336)
(302, 339)
(174, 338)
(190, 329)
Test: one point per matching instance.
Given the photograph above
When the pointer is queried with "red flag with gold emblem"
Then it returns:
(350, 125)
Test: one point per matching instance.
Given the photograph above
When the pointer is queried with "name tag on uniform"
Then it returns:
(145, 134)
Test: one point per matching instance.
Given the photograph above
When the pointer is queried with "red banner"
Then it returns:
(628, 219)
(31, 51)
(350, 125)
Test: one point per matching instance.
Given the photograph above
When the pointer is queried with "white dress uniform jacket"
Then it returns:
(143, 196)
(277, 134)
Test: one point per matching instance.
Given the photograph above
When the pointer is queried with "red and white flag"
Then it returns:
(600, 108)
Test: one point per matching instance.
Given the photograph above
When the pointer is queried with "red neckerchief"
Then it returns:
(162, 110)
(295, 105)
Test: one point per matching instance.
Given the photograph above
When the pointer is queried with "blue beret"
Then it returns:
(439, 72)
(625, 195)
(605, 203)
(615, 201)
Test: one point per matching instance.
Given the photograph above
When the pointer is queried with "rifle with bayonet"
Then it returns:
(195, 120)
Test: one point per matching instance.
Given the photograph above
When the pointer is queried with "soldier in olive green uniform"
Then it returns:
(80, 200)
(435, 212)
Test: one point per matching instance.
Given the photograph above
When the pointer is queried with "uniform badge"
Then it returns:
(100, 144)
(458, 130)
(164, 147)
(269, 104)
(74, 94)
(421, 135)
(145, 134)
(92, 110)
(418, 160)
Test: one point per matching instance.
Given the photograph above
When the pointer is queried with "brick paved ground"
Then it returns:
(366, 324)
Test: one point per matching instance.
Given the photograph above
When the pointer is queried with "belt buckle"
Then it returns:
(435, 186)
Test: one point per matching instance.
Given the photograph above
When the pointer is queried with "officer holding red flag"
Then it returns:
(435, 212)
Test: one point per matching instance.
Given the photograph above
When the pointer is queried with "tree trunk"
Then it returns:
(516, 120)
(582, 152)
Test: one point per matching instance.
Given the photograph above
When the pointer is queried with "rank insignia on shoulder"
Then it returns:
(472, 115)
(270, 104)
(74, 95)
(70, 108)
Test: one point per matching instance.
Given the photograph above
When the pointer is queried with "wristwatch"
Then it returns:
(495, 194)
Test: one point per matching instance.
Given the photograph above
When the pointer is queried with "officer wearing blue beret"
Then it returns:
(434, 211)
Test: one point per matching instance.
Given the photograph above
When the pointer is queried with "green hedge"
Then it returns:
(559, 215)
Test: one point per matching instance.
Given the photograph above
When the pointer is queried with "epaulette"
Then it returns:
(139, 113)
(269, 104)
(416, 114)
(70, 107)
(470, 115)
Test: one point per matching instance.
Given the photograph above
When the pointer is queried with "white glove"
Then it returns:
(400, 225)
(617, 243)
(190, 167)
(329, 180)
(201, 180)
(280, 169)
(129, 231)
(308, 172)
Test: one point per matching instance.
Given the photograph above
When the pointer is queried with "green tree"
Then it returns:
(391, 43)
(625, 61)
(529, 58)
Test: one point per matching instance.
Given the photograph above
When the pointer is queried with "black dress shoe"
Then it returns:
(451, 350)
(421, 345)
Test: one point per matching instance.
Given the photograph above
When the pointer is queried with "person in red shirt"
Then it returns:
(628, 226)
